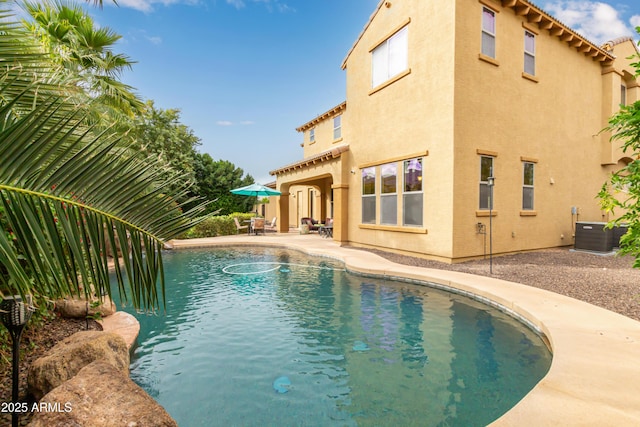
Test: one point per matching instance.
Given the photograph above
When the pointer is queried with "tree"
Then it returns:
(84, 54)
(622, 191)
(159, 133)
(216, 179)
(68, 191)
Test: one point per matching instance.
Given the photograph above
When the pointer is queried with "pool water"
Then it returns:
(275, 338)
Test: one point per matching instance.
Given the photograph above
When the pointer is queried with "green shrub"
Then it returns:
(214, 226)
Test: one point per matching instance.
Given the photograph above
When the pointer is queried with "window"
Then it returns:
(337, 127)
(529, 53)
(390, 58)
(488, 32)
(389, 194)
(623, 95)
(369, 195)
(527, 186)
(486, 170)
(312, 135)
(412, 192)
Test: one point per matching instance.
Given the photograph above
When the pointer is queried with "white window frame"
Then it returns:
(408, 195)
(312, 135)
(368, 198)
(389, 199)
(526, 186)
(390, 58)
(484, 183)
(530, 54)
(337, 127)
(488, 34)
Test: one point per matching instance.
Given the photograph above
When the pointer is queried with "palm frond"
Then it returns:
(69, 195)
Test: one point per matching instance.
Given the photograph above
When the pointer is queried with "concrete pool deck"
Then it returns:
(594, 379)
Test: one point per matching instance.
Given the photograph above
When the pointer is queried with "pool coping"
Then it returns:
(594, 377)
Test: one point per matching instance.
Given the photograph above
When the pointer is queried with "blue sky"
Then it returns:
(246, 73)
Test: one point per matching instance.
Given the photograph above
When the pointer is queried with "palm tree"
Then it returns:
(69, 191)
(85, 55)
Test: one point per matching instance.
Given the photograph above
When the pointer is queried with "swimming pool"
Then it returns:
(270, 337)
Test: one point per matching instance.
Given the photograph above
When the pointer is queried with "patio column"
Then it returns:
(282, 212)
(340, 212)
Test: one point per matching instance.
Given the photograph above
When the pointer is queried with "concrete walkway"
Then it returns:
(594, 378)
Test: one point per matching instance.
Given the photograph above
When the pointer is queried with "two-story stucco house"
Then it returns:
(441, 97)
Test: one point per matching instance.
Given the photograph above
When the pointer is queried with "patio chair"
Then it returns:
(240, 227)
(257, 224)
(326, 230)
(312, 223)
(271, 226)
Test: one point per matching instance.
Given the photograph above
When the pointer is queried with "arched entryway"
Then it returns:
(314, 187)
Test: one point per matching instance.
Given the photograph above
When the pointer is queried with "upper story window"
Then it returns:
(623, 95)
(337, 127)
(529, 53)
(312, 135)
(486, 171)
(390, 58)
(488, 32)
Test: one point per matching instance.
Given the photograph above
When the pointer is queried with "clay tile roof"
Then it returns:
(532, 13)
(318, 158)
(327, 114)
(608, 46)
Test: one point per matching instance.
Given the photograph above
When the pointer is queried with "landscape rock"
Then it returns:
(80, 308)
(72, 354)
(100, 396)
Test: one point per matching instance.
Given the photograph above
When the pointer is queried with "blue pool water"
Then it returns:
(274, 338)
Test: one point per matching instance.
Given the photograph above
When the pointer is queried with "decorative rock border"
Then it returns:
(123, 324)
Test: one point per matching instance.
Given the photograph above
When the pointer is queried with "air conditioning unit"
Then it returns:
(618, 232)
(593, 236)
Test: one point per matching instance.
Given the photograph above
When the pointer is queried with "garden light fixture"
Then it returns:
(15, 314)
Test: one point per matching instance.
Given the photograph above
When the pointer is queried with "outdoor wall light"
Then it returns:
(15, 314)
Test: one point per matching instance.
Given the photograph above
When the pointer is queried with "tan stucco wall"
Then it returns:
(414, 114)
(323, 136)
(318, 177)
(450, 106)
(555, 121)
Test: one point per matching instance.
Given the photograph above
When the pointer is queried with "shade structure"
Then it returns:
(256, 190)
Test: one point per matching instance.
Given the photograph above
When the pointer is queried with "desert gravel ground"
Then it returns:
(608, 281)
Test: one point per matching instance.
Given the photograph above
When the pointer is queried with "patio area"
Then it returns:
(595, 375)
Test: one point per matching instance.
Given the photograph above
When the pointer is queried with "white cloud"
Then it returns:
(247, 123)
(597, 21)
(238, 4)
(154, 39)
(271, 5)
(224, 123)
(146, 6)
(635, 20)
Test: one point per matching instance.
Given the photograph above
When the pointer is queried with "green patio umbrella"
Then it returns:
(256, 190)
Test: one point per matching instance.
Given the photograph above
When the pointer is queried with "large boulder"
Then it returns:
(100, 396)
(80, 308)
(70, 355)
